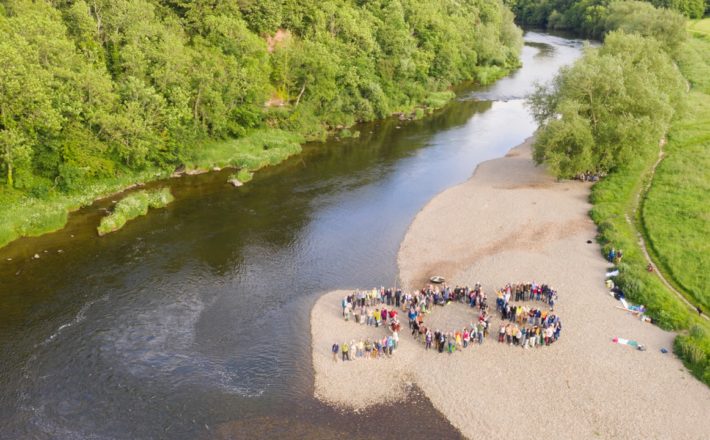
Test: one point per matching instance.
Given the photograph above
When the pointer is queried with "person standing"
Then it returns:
(345, 349)
(335, 348)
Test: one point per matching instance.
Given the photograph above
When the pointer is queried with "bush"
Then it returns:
(244, 175)
(132, 206)
(694, 349)
(258, 149)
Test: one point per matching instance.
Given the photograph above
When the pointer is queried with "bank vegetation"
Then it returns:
(609, 115)
(97, 94)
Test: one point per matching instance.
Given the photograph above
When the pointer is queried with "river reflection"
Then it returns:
(194, 320)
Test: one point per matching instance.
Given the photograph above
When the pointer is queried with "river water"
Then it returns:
(193, 322)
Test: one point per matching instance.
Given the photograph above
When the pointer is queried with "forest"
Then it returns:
(95, 88)
(587, 17)
(98, 94)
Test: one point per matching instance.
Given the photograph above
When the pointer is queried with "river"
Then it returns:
(193, 321)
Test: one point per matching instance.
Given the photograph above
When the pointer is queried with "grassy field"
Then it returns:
(674, 217)
(675, 213)
(132, 206)
(700, 27)
(614, 198)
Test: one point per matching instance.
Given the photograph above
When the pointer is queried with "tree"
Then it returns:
(14, 151)
(642, 18)
(614, 102)
(95, 88)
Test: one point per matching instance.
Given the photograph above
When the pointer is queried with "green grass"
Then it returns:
(24, 216)
(489, 74)
(675, 213)
(613, 199)
(258, 149)
(673, 217)
(132, 206)
(244, 175)
(699, 27)
(694, 349)
(437, 100)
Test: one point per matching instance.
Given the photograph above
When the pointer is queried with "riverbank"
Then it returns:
(512, 221)
(668, 217)
(24, 215)
(188, 84)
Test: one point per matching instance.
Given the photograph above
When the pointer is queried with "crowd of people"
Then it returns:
(531, 335)
(526, 327)
(366, 349)
(525, 292)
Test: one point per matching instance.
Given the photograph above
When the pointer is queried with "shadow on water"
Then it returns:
(193, 321)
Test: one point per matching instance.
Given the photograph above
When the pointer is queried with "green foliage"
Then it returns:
(689, 8)
(615, 101)
(258, 149)
(134, 205)
(593, 18)
(244, 175)
(439, 99)
(99, 91)
(642, 18)
(606, 113)
(694, 349)
(701, 27)
(613, 199)
(675, 214)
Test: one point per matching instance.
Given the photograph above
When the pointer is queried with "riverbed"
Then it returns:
(193, 321)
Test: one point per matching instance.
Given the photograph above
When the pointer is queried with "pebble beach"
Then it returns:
(511, 222)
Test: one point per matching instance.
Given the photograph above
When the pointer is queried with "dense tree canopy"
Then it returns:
(92, 88)
(588, 17)
(618, 99)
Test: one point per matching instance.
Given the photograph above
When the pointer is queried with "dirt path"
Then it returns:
(641, 195)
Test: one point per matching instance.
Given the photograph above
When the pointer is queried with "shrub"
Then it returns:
(132, 206)
(244, 175)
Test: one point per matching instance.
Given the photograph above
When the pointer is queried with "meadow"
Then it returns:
(673, 217)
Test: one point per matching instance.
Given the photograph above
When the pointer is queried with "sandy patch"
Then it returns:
(512, 222)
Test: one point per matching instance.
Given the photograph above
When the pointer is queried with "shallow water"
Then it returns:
(194, 320)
